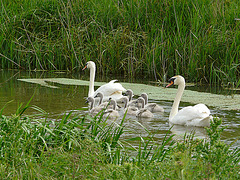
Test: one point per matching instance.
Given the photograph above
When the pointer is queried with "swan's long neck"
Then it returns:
(113, 102)
(143, 102)
(91, 84)
(146, 99)
(91, 104)
(130, 96)
(177, 99)
(126, 103)
(100, 100)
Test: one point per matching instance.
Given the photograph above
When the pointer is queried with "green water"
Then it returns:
(59, 101)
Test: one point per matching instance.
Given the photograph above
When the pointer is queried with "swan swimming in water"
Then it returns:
(111, 113)
(198, 115)
(143, 112)
(103, 104)
(131, 110)
(110, 90)
(129, 94)
(153, 107)
(93, 110)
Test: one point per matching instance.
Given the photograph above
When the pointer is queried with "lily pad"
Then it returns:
(223, 102)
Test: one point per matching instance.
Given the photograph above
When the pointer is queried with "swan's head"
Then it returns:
(124, 100)
(89, 65)
(99, 94)
(90, 100)
(141, 100)
(129, 93)
(144, 95)
(176, 80)
(113, 102)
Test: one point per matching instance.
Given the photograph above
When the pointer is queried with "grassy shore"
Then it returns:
(84, 147)
(199, 39)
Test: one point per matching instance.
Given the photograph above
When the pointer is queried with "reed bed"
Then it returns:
(195, 38)
(85, 147)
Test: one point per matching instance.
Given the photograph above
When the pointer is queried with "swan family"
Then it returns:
(112, 92)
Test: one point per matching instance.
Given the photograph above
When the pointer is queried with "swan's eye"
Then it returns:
(171, 80)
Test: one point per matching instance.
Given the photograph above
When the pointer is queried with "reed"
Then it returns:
(198, 39)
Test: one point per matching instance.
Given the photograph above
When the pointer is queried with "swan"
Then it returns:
(101, 103)
(111, 89)
(131, 102)
(93, 110)
(143, 112)
(131, 110)
(153, 107)
(111, 113)
(106, 103)
(198, 115)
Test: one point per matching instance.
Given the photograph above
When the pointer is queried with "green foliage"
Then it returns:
(85, 147)
(207, 158)
(195, 38)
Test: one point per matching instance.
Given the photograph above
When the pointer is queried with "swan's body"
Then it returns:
(153, 107)
(198, 115)
(143, 112)
(131, 110)
(111, 113)
(110, 90)
(93, 110)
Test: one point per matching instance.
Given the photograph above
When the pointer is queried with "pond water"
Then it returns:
(59, 101)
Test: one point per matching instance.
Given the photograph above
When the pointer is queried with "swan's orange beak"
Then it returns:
(171, 83)
(84, 68)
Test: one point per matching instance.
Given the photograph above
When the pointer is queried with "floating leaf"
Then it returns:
(224, 102)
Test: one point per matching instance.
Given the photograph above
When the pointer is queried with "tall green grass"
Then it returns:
(85, 147)
(195, 38)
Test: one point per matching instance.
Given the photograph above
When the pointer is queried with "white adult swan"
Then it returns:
(110, 90)
(198, 115)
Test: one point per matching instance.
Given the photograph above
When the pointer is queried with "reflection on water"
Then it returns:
(59, 101)
(181, 130)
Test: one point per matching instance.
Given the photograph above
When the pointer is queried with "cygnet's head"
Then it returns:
(99, 94)
(124, 99)
(129, 92)
(90, 100)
